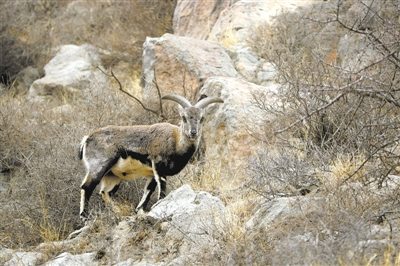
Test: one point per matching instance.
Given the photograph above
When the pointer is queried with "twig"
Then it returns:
(158, 113)
(322, 107)
(159, 96)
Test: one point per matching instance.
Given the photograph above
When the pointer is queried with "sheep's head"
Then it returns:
(192, 116)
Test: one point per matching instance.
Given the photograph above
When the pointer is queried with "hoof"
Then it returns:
(78, 232)
(84, 218)
(141, 214)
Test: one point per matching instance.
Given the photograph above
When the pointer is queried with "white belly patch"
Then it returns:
(129, 169)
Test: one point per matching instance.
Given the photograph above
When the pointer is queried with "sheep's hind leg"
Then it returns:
(91, 180)
(87, 188)
(108, 187)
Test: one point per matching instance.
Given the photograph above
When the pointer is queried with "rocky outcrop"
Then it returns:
(196, 18)
(252, 68)
(181, 65)
(280, 209)
(228, 22)
(186, 217)
(236, 22)
(229, 128)
(69, 259)
(189, 218)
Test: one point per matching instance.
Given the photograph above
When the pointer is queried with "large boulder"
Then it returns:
(71, 70)
(195, 18)
(236, 22)
(280, 209)
(78, 259)
(231, 128)
(186, 222)
(224, 21)
(181, 65)
(189, 218)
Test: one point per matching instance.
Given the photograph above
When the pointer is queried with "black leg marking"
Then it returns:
(114, 190)
(148, 190)
(87, 191)
(87, 188)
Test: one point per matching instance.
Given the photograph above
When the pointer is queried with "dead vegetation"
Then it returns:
(335, 142)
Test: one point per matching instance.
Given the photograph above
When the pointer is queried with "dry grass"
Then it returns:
(39, 164)
(39, 160)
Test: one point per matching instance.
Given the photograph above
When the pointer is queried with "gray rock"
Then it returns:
(67, 259)
(189, 218)
(251, 67)
(182, 65)
(236, 22)
(281, 208)
(71, 70)
(229, 128)
(355, 52)
(25, 258)
(195, 18)
(5, 255)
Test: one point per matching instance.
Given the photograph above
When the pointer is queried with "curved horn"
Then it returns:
(206, 101)
(177, 98)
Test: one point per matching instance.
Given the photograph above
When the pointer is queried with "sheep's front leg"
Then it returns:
(151, 184)
(157, 178)
(148, 190)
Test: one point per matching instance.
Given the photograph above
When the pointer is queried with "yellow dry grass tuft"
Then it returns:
(349, 167)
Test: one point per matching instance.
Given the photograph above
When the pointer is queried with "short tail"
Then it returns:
(82, 147)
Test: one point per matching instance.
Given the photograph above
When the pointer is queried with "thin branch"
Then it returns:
(371, 155)
(387, 52)
(376, 95)
(310, 114)
(322, 107)
(159, 95)
(160, 114)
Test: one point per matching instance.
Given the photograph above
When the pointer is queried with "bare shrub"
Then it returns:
(283, 172)
(343, 230)
(337, 128)
(333, 102)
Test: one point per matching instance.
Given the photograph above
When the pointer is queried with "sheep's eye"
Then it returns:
(184, 119)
